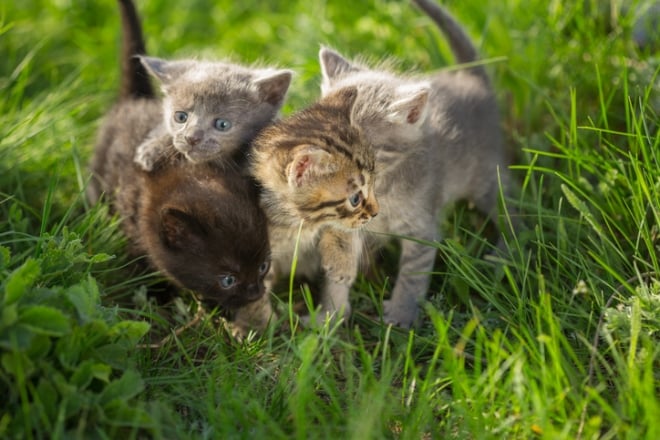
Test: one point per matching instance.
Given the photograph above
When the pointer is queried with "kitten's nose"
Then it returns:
(252, 292)
(193, 140)
(373, 208)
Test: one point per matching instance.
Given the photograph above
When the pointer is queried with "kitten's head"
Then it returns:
(205, 230)
(390, 109)
(212, 109)
(316, 165)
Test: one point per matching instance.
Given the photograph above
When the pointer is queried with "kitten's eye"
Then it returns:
(180, 117)
(355, 199)
(263, 269)
(227, 281)
(222, 124)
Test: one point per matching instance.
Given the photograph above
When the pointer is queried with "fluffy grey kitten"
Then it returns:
(211, 109)
(437, 140)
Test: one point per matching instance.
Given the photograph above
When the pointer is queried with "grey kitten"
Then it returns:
(437, 140)
(211, 109)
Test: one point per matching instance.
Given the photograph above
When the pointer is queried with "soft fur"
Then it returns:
(436, 139)
(317, 176)
(199, 224)
(211, 109)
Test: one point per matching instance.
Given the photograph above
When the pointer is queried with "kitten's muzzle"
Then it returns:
(193, 140)
(253, 292)
(371, 209)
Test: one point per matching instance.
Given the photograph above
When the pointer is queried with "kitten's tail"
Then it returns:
(459, 41)
(135, 82)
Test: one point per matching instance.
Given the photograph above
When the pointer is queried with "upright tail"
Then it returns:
(459, 41)
(135, 82)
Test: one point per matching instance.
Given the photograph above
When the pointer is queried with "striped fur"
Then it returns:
(313, 167)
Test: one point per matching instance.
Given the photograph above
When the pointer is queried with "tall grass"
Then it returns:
(556, 337)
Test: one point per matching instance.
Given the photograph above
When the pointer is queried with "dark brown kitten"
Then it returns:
(200, 225)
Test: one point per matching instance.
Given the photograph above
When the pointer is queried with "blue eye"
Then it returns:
(263, 269)
(355, 199)
(227, 281)
(180, 117)
(222, 124)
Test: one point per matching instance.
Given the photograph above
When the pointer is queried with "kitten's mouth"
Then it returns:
(200, 153)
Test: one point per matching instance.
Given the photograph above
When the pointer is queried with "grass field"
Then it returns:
(559, 338)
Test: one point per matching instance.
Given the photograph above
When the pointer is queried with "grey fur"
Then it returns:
(247, 98)
(437, 140)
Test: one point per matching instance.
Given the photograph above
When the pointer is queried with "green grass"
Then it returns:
(556, 338)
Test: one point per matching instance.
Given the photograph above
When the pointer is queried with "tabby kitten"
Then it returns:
(211, 109)
(315, 168)
(436, 139)
(199, 224)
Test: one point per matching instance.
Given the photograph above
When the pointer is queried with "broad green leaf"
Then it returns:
(45, 320)
(9, 315)
(16, 338)
(101, 258)
(85, 298)
(114, 355)
(120, 413)
(21, 279)
(17, 364)
(129, 332)
(64, 388)
(89, 370)
(48, 396)
(40, 346)
(129, 385)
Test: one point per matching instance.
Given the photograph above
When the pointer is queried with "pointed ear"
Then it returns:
(334, 65)
(178, 229)
(165, 71)
(411, 106)
(308, 164)
(273, 86)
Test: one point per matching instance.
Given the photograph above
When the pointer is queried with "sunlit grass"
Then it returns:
(555, 337)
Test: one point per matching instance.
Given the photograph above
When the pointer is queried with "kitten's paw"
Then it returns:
(145, 159)
(240, 332)
(398, 315)
(252, 318)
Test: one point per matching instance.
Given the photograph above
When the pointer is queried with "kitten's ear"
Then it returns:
(273, 86)
(178, 229)
(164, 70)
(333, 65)
(411, 107)
(308, 164)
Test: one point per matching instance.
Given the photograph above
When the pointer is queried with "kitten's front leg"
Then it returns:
(415, 267)
(149, 152)
(340, 255)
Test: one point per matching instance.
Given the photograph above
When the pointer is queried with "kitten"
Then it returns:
(199, 224)
(314, 168)
(211, 110)
(437, 139)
